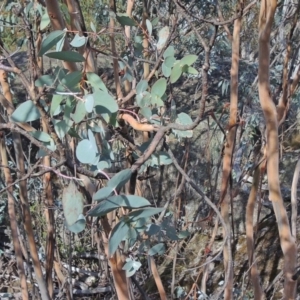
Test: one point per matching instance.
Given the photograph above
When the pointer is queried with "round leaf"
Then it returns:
(78, 41)
(176, 73)
(85, 152)
(188, 60)
(166, 70)
(96, 82)
(170, 51)
(163, 35)
(169, 61)
(141, 86)
(72, 201)
(78, 226)
(159, 87)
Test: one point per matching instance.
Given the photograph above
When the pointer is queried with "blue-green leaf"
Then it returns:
(96, 82)
(72, 201)
(170, 51)
(45, 21)
(120, 179)
(117, 235)
(141, 86)
(188, 60)
(157, 249)
(78, 41)
(163, 35)
(176, 73)
(55, 102)
(103, 193)
(144, 213)
(51, 40)
(79, 225)
(125, 20)
(159, 87)
(89, 102)
(70, 56)
(85, 152)
(26, 112)
(41, 136)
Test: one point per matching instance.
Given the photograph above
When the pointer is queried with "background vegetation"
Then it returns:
(149, 149)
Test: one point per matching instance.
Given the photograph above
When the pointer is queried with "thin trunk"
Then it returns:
(267, 12)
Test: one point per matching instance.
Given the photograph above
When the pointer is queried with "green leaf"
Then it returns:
(72, 201)
(93, 27)
(45, 21)
(45, 80)
(41, 136)
(157, 249)
(131, 266)
(130, 201)
(156, 100)
(70, 81)
(125, 20)
(188, 60)
(161, 158)
(103, 164)
(169, 61)
(149, 27)
(103, 208)
(80, 112)
(78, 41)
(55, 102)
(70, 56)
(103, 193)
(105, 105)
(166, 70)
(89, 102)
(51, 40)
(62, 127)
(170, 51)
(26, 112)
(117, 235)
(141, 86)
(144, 213)
(153, 229)
(163, 35)
(85, 152)
(79, 225)
(146, 112)
(120, 179)
(183, 119)
(96, 82)
(143, 99)
(192, 71)
(171, 233)
(176, 73)
(92, 140)
(155, 21)
(183, 234)
(159, 87)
